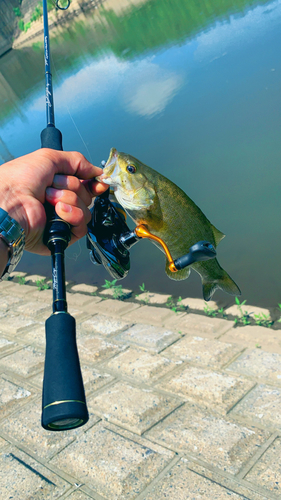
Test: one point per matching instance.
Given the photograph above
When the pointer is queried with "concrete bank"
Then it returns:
(182, 405)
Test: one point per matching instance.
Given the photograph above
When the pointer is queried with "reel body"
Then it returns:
(109, 240)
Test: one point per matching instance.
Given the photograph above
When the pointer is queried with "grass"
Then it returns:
(42, 285)
(21, 280)
(175, 305)
(118, 292)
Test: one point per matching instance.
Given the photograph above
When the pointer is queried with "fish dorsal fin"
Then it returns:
(218, 235)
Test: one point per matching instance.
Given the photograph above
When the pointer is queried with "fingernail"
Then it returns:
(54, 193)
(65, 207)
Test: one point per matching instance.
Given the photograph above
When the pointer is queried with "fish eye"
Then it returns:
(131, 169)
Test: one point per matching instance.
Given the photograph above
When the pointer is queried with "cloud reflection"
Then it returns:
(142, 88)
(150, 89)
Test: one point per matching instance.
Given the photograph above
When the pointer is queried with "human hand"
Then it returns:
(64, 179)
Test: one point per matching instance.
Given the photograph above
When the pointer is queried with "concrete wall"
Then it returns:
(8, 23)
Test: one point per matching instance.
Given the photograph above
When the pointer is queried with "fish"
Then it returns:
(166, 210)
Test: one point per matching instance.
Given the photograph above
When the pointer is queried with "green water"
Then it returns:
(191, 88)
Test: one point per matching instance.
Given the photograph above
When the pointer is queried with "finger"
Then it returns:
(72, 183)
(69, 198)
(75, 216)
(95, 187)
(72, 163)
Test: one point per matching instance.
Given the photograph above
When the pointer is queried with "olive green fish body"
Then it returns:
(151, 199)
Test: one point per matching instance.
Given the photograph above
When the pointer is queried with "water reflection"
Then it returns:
(188, 88)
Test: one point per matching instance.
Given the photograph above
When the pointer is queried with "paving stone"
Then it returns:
(115, 467)
(198, 304)
(15, 323)
(180, 483)
(259, 364)
(23, 478)
(11, 394)
(32, 309)
(148, 336)
(25, 362)
(131, 407)
(104, 325)
(115, 307)
(262, 405)
(36, 335)
(35, 277)
(7, 346)
(196, 324)
(18, 290)
(8, 301)
(247, 309)
(15, 274)
(95, 349)
(152, 298)
(208, 387)
(203, 351)
(253, 336)
(150, 314)
(218, 441)
(79, 300)
(140, 365)
(79, 495)
(94, 380)
(267, 471)
(116, 293)
(243, 488)
(82, 287)
(45, 296)
(25, 427)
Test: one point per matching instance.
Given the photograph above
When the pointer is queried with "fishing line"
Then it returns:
(70, 115)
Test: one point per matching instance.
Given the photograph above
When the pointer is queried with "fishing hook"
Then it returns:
(60, 7)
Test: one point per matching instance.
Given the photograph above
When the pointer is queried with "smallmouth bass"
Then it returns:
(151, 199)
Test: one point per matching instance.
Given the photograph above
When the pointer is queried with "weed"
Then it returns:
(41, 285)
(263, 320)
(118, 292)
(258, 346)
(175, 306)
(21, 280)
(109, 284)
(142, 288)
(210, 311)
(244, 316)
(17, 11)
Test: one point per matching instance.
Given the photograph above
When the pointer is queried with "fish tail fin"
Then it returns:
(225, 283)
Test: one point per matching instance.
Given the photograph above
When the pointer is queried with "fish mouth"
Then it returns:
(109, 167)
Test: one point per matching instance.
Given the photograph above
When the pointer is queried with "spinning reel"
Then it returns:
(109, 240)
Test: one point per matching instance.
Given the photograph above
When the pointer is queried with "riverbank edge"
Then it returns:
(241, 314)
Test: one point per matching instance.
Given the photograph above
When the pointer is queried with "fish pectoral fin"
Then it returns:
(218, 235)
(179, 275)
(225, 283)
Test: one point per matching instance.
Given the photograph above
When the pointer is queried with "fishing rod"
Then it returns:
(63, 400)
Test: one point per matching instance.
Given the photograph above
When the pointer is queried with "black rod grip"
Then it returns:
(51, 138)
(64, 403)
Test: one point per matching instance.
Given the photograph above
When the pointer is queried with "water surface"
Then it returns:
(189, 88)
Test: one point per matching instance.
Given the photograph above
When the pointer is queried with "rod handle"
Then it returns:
(51, 138)
(63, 403)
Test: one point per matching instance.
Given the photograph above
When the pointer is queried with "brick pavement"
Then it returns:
(182, 405)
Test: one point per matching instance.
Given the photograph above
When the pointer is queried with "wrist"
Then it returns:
(10, 202)
(12, 240)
